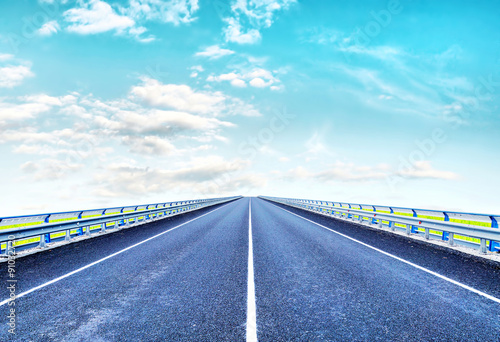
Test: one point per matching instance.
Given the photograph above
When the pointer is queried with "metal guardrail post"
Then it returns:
(67, 236)
(42, 241)
(103, 227)
(87, 231)
(392, 226)
(451, 239)
(408, 229)
(427, 233)
(445, 236)
(9, 249)
(483, 249)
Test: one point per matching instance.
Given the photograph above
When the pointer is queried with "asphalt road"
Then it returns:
(190, 284)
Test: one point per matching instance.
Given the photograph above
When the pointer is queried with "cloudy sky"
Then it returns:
(106, 103)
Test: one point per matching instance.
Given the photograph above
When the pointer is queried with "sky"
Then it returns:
(113, 103)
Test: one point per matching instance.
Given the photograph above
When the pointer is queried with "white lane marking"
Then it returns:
(402, 260)
(103, 259)
(251, 307)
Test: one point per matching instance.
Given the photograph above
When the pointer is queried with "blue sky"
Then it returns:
(107, 103)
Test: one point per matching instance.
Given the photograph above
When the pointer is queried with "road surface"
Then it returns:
(193, 278)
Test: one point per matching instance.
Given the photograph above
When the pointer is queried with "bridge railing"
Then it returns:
(476, 230)
(22, 232)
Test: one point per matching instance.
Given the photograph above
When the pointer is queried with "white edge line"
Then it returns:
(402, 260)
(103, 259)
(251, 306)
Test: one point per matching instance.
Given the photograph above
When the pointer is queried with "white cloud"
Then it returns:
(149, 145)
(137, 31)
(54, 142)
(259, 72)
(5, 57)
(140, 126)
(350, 172)
(27, 149)
(146, 40)
(197, 68)
(238, 83)
(85, 137)
(184, 98)
(253, 14)
(379, 52)
(415, 98)
(260, 11)
(235, 106)
(224, 77)
(49, 100)
(233, 33)
(158, 122)
(424, 169)
(50, 169)
(49, 28)
(96, 16)
(259, 83)
(257, 77)
(29, 107)
(214, 52)
(14, 75)
(29, 167)
(298, 172)
(82, 141)
(17, 112)
(197, 174)
(179, 97)
(349, 43)
(170, 11)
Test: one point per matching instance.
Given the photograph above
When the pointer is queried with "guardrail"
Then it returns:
(476, 230)
(21, 232)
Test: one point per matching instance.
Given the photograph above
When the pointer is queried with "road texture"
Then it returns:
(193, 278)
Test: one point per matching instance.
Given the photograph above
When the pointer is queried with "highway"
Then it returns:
(306, 277)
